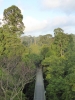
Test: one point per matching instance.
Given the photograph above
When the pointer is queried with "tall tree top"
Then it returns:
(13, 18)
(57, 31)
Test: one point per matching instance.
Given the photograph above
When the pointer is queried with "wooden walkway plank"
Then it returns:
(39, 93)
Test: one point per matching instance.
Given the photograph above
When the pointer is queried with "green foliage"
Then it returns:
(16, 67)
(55, 89)
(59, 71)
(10, 44)
(36, 58)
(19, 58)
(57, 31)
(29, 90)
(62, 41)
(13, 18)
(44, 50)
(34, 49)
(45, 39)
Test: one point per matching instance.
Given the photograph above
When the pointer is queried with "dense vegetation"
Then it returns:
(58, 62)
(19, 57)
(59, 67)
(17, 65)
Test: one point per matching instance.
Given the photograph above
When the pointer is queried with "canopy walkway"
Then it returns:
(39, 93)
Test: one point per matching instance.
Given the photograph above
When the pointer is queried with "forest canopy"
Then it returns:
(20, 57)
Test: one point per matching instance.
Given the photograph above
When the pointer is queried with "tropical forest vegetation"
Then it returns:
(21, 55)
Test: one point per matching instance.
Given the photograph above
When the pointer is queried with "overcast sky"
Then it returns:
(43, 16)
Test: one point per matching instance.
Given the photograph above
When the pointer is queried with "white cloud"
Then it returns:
(64, 20)
(22, 10)
(1, 16)
(67, 23)
(36, 27)
(33, 24)
(1, 2)
(51, 3)
(64, 5)
(20, 5)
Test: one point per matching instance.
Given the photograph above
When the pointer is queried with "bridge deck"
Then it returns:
(39, 93)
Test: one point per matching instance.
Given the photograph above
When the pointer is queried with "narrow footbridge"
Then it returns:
(39, 93)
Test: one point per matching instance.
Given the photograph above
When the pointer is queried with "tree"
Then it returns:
(14, 75)
(13, 18)
(9, 43)
(59, 70)
(45, 39)
(61, 41)
(44, 51)
(57, 31)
